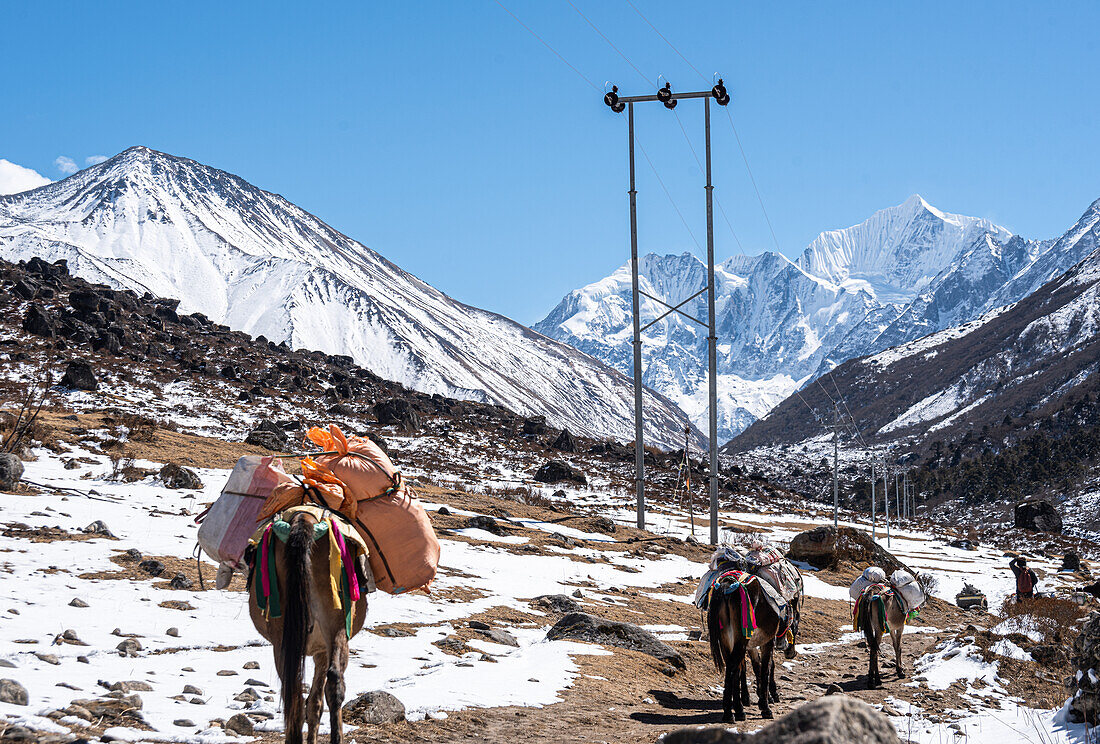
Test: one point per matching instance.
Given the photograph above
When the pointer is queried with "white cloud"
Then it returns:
(66, 165)
(94, 159)
(15, 178)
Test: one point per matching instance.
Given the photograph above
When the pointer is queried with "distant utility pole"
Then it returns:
(872, 499)
(836, 462)
(886, 500)
(897, 496)
(670, 99)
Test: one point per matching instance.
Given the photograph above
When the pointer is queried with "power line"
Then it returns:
(663, 38)
(609, 43)
(752, 178)
(545, 44)
(669, 195)
(718, 201)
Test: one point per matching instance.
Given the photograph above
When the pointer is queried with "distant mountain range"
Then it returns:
(908, 271)
(148, 221)
(1013, 371)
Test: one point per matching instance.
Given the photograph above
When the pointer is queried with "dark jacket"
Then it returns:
(1026, 579)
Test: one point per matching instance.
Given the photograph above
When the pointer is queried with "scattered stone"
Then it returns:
(837, 719)
(13, 693)
(484, 522)
(478, 625)
(255, 683)
(240, 724)
(251, 665)
(79, 375)
(555, 471)
(502, 637)
(399, 413)
(605, 525)
(1071, 561)
(99, 527)
(395, 633)
(79, 711)
(77, 602)
(40, 322)
(227, 673)
(579, 626)
(191, 690)
(133, 554)
(174, 475)
(276, 442)
(534, 427)
(183, 723)
(11, 470)
(83, 660)
(565, 442)
(7, 664)
(443, 511)
(48, 658)
(834, 689)
(129, 647)
(152, 567)
(180, 581)
(131, 686)
(173, 632)
(1038, 515)
(376, 707)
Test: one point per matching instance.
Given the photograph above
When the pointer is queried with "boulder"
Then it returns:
(240, 724)
(39, 322)
(375, 707)
(484, 522)
(534, 427)
(565, 442)
(1038, 515)
(827, 547)
(84, 301)
(11, 470)
(268, 435)
(555, 471)
(559, 604)
(580, 626)
(1071, 561)
(13, 693)
(397, 412)
(836, 719)
(79, 375)
(174, 475)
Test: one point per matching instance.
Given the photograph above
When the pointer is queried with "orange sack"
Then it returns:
(403, 548)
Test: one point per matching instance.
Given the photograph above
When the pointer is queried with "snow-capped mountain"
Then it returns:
(907, 271)
(250, 259)
(1023, 361)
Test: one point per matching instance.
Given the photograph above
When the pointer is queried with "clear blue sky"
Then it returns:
(449, 139)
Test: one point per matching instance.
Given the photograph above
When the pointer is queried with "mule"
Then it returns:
(879, 610)
(309, 624)
(736, 605)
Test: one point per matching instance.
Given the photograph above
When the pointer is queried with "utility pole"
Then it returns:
(836, 463)
(886, 500)
(897, 496)
(872, 500)
(669, 100)
(687, 470)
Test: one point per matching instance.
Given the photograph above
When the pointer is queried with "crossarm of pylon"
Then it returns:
(672, 309)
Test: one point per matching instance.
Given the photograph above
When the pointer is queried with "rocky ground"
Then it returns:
(109, 630)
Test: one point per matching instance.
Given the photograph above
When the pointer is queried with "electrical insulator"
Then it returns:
(721, 96)
(611, 98)
(664, 95)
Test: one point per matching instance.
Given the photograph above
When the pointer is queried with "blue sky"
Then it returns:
(445, 136)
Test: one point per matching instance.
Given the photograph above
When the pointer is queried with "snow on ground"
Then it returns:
(43, 578)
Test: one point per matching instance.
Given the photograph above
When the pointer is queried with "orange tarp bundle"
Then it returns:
(354, 477)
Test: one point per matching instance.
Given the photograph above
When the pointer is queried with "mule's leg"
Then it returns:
(729, 686)
(773, 692)
(873, 641)
(745, 698)
(895, 636)
(763, 680)
(334, 687)
(737, 661)
(315, 702)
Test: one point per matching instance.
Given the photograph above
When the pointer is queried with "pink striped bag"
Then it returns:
(225, 527)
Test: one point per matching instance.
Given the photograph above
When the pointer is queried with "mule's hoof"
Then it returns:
(902, 674)
(740, 716)
(790, 651)
(767, 713)
(726, 718)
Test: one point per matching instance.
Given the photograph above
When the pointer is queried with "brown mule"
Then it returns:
(730, 646)
(309, 624)
(880, 609)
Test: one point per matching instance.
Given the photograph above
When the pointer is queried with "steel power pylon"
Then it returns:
(667, 97)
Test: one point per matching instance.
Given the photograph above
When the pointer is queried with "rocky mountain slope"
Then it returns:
(1004, 406)
(249, 259)
(907, 271)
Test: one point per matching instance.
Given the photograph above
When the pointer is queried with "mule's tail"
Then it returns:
(721, 612)
(871, 617)
(295, 619)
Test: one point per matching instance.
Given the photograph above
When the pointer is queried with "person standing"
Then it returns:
(1026, 579)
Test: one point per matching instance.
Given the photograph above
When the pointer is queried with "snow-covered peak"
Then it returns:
(897, 251)
(149, 221)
